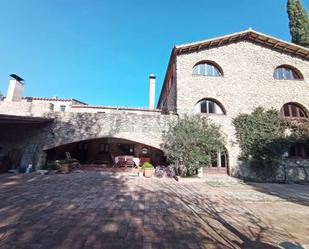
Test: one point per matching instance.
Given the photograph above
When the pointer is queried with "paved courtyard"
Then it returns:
(108, 210)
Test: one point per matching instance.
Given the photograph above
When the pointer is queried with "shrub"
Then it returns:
(299, 131)
(190, 141)
(147, 165)
(159, 172)
(261, 136)
(164, 171)
(51, 166)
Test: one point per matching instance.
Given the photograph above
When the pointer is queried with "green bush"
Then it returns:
(261, 136)
(147, 165)
(51, 166)
(190, 141)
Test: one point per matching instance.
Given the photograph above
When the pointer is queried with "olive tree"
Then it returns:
(189, 142)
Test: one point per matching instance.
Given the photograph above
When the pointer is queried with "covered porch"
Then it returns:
(108, 152)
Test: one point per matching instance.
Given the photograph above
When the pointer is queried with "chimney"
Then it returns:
(16, 88)
(152, 91)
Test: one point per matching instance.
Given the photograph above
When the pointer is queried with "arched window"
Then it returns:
(209, 106)
(293, 110)
(287, 73)
(207, 68)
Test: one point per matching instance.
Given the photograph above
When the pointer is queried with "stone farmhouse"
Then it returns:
(219, 78)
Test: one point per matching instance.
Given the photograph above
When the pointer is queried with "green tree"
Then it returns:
(190, 141)
(299, 23)
(261, 136)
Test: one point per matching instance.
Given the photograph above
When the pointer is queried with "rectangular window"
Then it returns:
(288, 74)
(204, 107)
(104, 148)
(292, 151)
(62, 108)
(294, 110)
(280, 73)
(214, 160)
(223, 161)
(82, 146)
(286, 110)
(211, 107)
(209, 70)
(202, 70)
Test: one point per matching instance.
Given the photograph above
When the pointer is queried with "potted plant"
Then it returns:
(65, 167)
(148, 169)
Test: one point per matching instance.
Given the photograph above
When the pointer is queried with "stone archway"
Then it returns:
(104, 150)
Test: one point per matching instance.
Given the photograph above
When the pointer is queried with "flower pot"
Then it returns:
(148, 172)
(65, 168)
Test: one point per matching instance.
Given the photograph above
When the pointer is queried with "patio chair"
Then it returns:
(73, 161)
(129, 161)
(121, 162)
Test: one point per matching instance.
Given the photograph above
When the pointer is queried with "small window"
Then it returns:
(299, 150)
(104, 147)
(293, 110)
(82, 146)
(51, 106)
(208, 106)
(62, 108)
(207, 69)
(287, 73)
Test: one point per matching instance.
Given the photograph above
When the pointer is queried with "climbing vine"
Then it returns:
(262, 139)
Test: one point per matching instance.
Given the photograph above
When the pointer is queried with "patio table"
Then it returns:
(136, 160)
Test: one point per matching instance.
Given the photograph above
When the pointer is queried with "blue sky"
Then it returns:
(102, 52)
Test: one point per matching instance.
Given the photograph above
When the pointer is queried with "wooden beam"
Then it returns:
(276, 44)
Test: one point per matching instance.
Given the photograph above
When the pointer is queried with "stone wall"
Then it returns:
(145, 128)
(247, 83)
(24, 108)
(27, 139)
(141, 126)
(290, 170)
(293, 170)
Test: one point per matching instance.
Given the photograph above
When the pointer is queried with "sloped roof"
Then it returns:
(251, 35)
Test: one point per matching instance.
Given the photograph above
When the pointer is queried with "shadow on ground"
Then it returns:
(105, 210)
(297, 193)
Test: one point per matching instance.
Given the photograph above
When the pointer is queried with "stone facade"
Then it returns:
(145, 128)
(138, 125)
(247, 82)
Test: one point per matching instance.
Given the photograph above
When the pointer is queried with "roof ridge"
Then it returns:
(238, 34)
